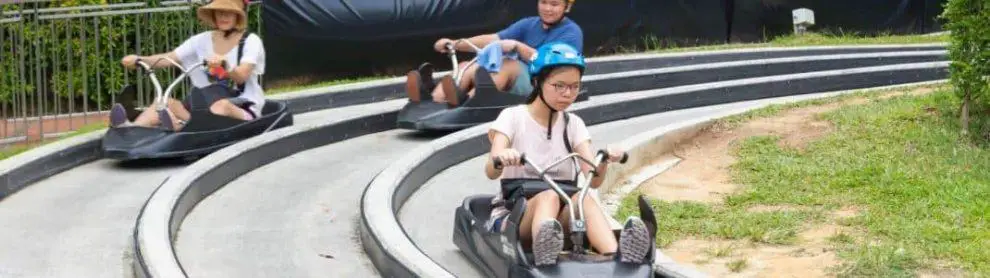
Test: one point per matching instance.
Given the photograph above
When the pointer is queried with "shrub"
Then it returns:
(969, 52)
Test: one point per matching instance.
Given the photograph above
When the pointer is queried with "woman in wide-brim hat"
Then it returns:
(219, 48)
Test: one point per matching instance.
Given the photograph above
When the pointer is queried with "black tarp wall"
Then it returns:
(310, 40)
(755, 20)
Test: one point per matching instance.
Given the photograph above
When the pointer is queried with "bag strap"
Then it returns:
(240, 47)
(240, 54)
(567, 141)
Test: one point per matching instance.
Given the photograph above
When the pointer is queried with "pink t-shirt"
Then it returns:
(529, 137)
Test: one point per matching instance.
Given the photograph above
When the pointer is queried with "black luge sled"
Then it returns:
(488, 101)
(204, 133)
(502, 255)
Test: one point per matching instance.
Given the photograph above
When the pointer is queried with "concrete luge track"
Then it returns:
(173, 201)
(25, 169)
(283, 208)
(89, 204)
(427, 217)
(394, 253)
(78, 223)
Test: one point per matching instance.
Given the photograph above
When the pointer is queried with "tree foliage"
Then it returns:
(969, 52)
(69, 62)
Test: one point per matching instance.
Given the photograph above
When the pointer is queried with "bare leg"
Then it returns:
(149, 117)
(598, 231)
(225, 108)
(438, 95)
(540, 229)
(503, 78)
(543, 206)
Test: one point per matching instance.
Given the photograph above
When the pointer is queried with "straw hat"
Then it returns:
(205, 13)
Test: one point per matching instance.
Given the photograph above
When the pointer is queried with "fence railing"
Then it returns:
(60, 66)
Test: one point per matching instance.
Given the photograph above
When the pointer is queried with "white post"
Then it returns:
(803, 18)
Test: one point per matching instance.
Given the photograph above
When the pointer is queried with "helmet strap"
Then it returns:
(567, 143)
(550, 118)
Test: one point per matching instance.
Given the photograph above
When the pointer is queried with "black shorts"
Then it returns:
(208, 95)
(514, 189)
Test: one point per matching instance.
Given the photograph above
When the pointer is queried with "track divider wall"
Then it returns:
(171, 202)
(165, 210)
(39, 163)
(393, 252)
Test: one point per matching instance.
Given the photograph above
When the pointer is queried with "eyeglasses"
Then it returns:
(560, 88)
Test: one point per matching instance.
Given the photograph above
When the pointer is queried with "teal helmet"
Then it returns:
(556, 54)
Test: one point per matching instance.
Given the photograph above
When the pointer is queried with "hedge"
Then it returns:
(969, 52)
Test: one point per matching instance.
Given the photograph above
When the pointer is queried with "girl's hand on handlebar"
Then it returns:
(215, 61)
(508, 157)
(614, 154)
(129, 61)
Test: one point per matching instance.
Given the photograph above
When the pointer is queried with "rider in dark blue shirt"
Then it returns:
(522, 37)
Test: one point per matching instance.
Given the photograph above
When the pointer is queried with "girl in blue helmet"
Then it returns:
(544, 133)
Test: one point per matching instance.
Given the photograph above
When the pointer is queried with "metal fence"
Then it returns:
(60, 66)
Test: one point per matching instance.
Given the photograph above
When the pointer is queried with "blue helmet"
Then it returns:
(556, 54)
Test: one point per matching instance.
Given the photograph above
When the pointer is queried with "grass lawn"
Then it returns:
(13, 150)
(921, 189)
(809, 39)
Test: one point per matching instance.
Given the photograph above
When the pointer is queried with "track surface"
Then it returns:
(277, 220)
(428, 216)
(79, 223)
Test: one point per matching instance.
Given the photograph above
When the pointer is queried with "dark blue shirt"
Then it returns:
(530, 31)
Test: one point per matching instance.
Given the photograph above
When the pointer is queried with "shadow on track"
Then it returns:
(155, 163)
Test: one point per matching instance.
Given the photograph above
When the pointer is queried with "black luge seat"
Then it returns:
(204, 133)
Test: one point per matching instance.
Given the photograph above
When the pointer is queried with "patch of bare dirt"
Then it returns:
(811, 257)
(773, 208)
(946, 271)
(703, 175)
(846, 212)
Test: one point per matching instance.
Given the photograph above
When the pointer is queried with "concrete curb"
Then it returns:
(165, 210)
(394, 254)
(24, 169)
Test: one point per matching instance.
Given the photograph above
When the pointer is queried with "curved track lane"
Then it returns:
(79, 223)
(428, 216)
(296, 217)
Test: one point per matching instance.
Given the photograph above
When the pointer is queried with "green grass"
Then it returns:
(736, 265)
(293, 88)
(922, 187)
(808, 39)
(7, 152)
